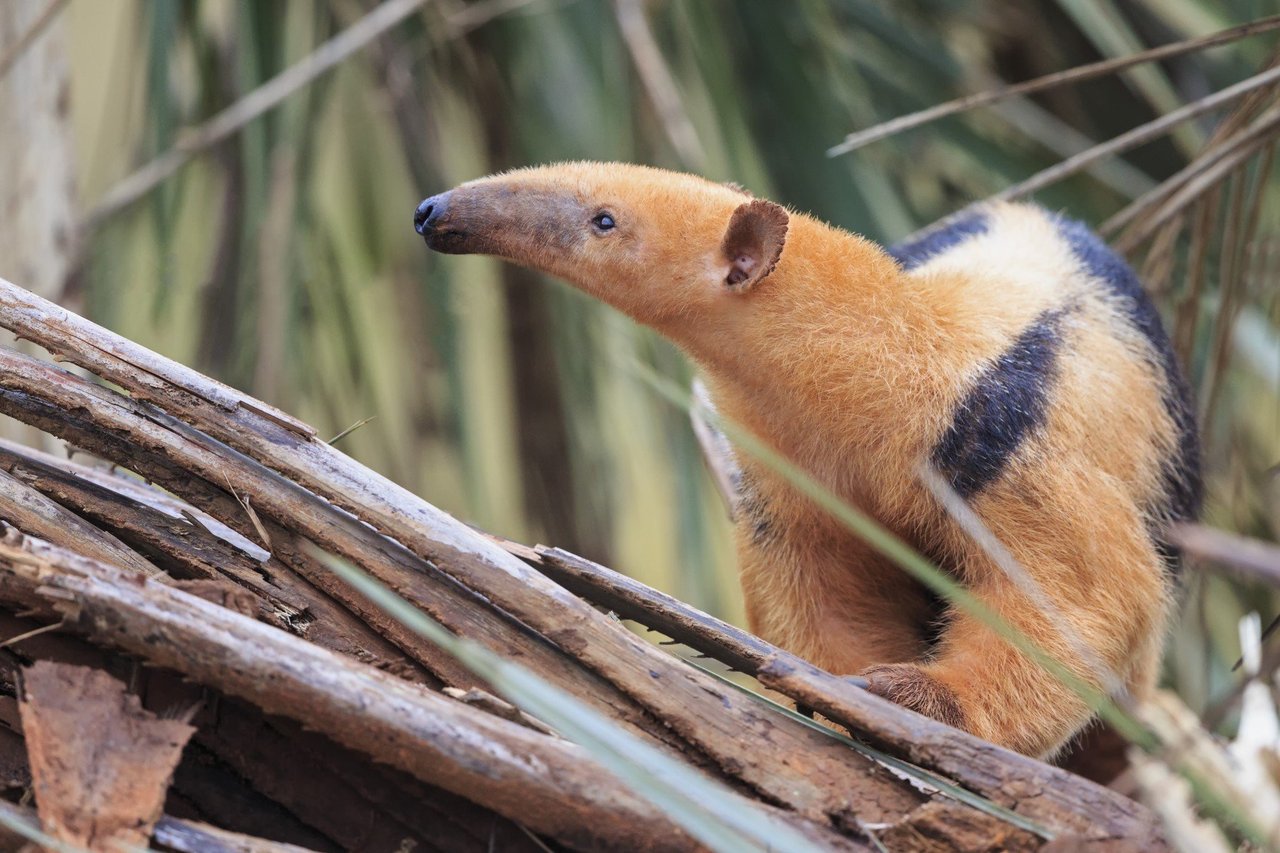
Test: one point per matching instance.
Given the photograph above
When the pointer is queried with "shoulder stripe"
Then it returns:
(1005, 405)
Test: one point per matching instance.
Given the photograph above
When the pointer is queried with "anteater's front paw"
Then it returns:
(911, 687)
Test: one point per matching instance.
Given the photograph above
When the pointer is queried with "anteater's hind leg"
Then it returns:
(1105, 582)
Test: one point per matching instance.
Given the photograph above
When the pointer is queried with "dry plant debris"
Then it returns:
(100, 762)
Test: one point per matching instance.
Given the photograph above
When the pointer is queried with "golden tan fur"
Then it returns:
(853, 369)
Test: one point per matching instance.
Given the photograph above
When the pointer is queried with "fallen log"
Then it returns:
(32, 511)
(544, 783)
(200, 470)
(186, 549)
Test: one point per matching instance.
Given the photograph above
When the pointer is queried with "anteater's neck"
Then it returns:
(815, 354)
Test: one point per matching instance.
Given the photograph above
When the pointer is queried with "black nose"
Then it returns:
(429, 213)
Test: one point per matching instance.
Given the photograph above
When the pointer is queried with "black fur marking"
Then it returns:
(934, 628)
(1183, 488)
(950, 233)
(753, 509)
(1006, 404)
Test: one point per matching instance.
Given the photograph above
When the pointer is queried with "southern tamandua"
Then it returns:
(1009, 347)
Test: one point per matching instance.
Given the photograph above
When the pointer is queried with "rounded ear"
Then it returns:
(753, 243)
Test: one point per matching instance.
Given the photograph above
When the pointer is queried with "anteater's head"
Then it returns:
(659, 245)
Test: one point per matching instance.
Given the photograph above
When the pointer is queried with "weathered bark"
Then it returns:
(202, 777)
(186, 548)
(34, 513)
(179, 545)
(191, 465)
(189, 836)
(631, 599)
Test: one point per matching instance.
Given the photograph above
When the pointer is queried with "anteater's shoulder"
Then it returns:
(1055, 269)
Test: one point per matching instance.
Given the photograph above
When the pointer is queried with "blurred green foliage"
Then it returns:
(284, 262)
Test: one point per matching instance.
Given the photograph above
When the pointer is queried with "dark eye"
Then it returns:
(603, 221)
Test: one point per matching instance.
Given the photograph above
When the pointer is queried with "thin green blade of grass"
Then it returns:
(355, 426)
(705, 809)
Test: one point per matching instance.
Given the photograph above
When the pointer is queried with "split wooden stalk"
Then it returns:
(190, 551)
(1202, 175)
(178, 546)
(545, 783)
(188, 836)
(37, 514)
(802, 768)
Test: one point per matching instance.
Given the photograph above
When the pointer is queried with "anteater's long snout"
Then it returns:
(495, 218)
(429, 212)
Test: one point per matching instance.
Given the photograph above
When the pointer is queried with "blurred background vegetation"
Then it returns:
(282, 260)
